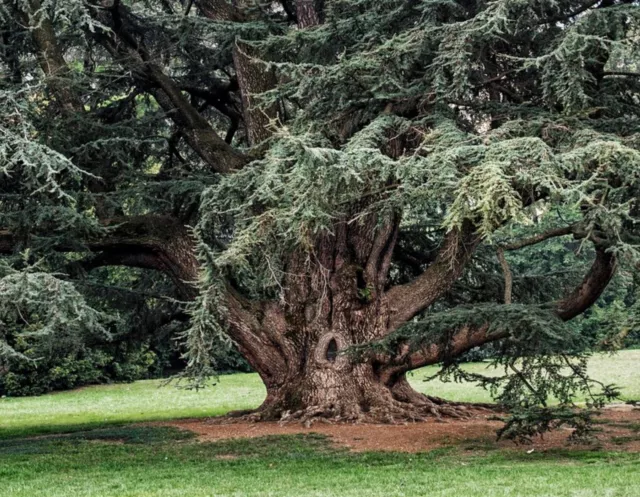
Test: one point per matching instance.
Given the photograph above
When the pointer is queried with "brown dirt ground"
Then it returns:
(477, 433)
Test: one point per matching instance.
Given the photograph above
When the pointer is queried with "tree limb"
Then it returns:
(49, 56)
(508, 276)
(579, 300)
(409, 299)
(541, 237)
(130, 52)
(151, 242)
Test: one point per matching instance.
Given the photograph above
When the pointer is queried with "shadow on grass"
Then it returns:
(141, 435)
(70, 428)
(179, 443)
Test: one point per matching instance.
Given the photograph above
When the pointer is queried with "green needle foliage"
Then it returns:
(127, 144)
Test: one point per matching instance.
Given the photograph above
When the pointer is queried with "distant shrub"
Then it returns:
(83, 367)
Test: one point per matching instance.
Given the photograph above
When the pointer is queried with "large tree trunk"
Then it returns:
(343, 390)
(335, 300)
(300, 345)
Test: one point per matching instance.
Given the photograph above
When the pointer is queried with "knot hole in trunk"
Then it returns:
(332, 350)
(328, 349)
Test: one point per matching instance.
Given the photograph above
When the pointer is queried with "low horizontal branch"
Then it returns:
(467, 337)
(541, 237)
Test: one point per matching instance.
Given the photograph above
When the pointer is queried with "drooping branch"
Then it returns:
(161, 243)
(153, 242)
(468, 337)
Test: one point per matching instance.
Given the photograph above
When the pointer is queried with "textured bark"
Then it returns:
(419, 294)
(254, 78)
(331, 302)
(307, 14)
(466, 338)
(161, 243)
(334, 296)
(220, 10)
(591, 287)
(338, 301)
(508, 276)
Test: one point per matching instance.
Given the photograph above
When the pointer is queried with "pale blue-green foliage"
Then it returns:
(206, 334)
(301, 188)
(563, 67)
(42, 313)
(47, 179)
(369, 61)
(375, 67)
(303, 185)
(73, 14)
(41, 168)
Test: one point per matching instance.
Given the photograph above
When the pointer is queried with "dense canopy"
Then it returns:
(346, 190)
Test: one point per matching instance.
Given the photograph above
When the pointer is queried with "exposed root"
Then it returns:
(478, 406)
(391, 411)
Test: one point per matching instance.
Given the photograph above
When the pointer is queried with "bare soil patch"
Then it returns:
(619, 425)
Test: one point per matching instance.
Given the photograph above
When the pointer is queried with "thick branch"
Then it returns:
(591, 287)
(408, 300)
(508, 276)
(50, 56)
(583, 297)
(221, 10)
(255, 77)
(258, 329)
(152, 242)
(307, 14)
(123, 44)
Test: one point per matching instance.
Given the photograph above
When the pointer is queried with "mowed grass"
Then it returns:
(157, 462)
(150, 401)
(110, 459)
(622, 369)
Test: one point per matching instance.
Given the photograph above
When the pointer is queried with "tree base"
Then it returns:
(390, 411)
(344, 392)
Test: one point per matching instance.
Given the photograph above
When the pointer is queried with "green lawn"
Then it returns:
(148, 400)
(122, 403)
(146, 462)
(108, 460)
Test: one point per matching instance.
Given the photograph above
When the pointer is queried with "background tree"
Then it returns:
(355, 172)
